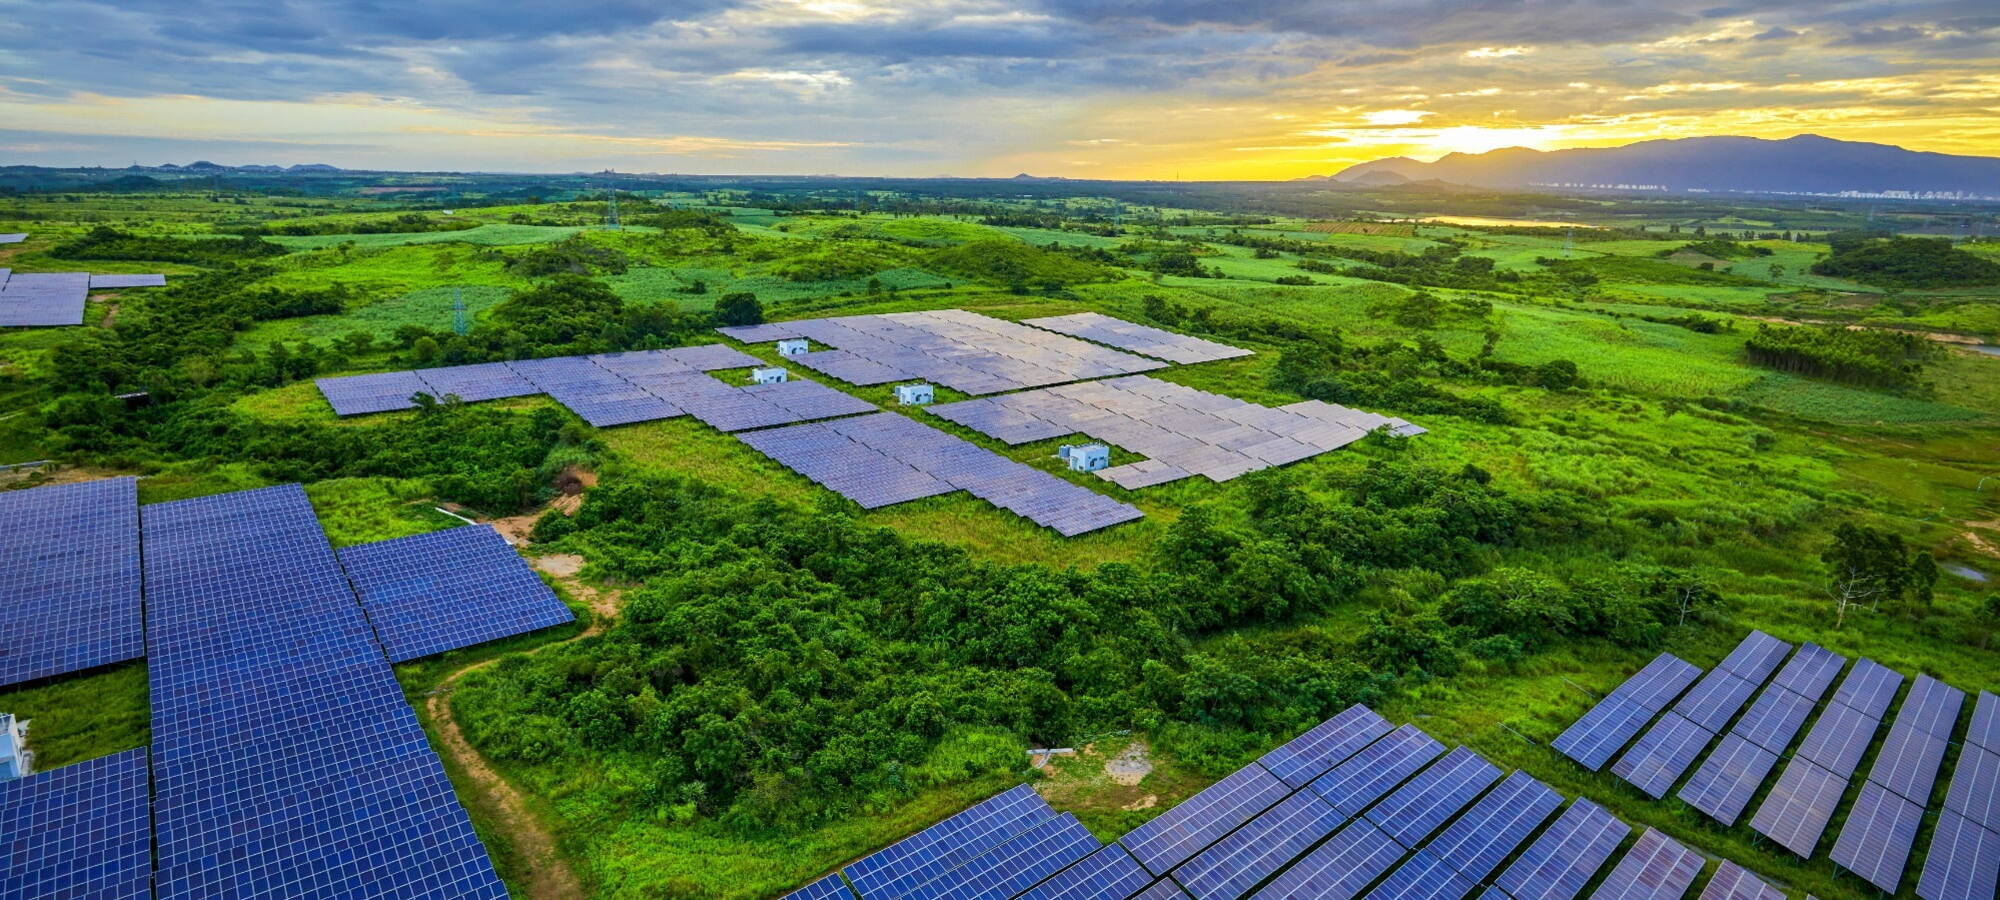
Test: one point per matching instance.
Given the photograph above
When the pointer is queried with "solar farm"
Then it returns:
(1355, 807)
(1714, 713)
(281, 744)
(39, 299)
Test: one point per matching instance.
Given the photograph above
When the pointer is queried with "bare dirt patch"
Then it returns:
(561, 565)
(1129, 767)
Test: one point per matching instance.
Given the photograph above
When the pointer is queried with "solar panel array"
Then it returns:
(308, 775)
(1733, 882)
(78, 831)
(69, 578)
(1593, 738)
(1141, 339)
(1796, 812)
(886, 458)
(107, 282)
(608, 389)
(1963, 862)
(1560, 863)
(29, 299)
(1656, 868)
(14, 237)
(1421, 806)
(428, 593)
(1182, 431)
(1667, 749)
(961, 350)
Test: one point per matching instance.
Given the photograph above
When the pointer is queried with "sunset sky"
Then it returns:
(1091, 88)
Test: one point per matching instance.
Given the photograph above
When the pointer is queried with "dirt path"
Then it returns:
(549, 876)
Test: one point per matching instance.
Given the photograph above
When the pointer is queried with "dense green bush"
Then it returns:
(1874, 357)
(104, 242)
(1907, 262)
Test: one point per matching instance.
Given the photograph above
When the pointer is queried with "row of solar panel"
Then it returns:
(1352, 808)
(961, 350)
(886, 458)
(1153, 342)
(1881, 831)
(30, 299)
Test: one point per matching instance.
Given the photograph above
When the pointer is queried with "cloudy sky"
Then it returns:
(1087, 88)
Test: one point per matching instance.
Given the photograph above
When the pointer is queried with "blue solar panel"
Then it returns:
(1662, 754)
(1109, 872)
(1932, 707)
(1714, 700)
(1376, 769)
(355, 395)
(1756, 657)
(1236, 863)
(69, 578)
(1656, 685)
(1338, 869)
(1179, 833)
(1869, 688)
(1561, 862)
(1420, 807)
(1975, 786)
(1478, 841)
(828, 888)
(1309, 755)
(1422, 877)
(1733, 882)
(1796, 811)
(1985, 730)
(1963, 862)
(942, 847)
(429, 593)
(1013, 866)
(1728, 778)
(1908, 762)
(1599, 733)
(1839, 739)
(1810, 671)
(1774, 719)
(281, 741)
(78, 831)
(1164, 889)
(1875, 841)
(1657, 868)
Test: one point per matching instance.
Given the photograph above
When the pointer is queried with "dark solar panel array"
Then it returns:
(887, 458)
(1141, 339)
(1728, 778)
(1869, 688)
(1656, 868)
(308, 775)
(1876, 839)
(1733, 882)
(1714, 700)
(1612, 723)
(942, 847)
(1985, 730)
(1796, 811)
(1478, 841)
(1975, 786)
(1014, 865)
(1755, 657)
(78, 831)
(1179, 833)
(30, 299)
(1303, 758)
(1810, 671)
(1422, 877)
(1376, 769)
(1931, 707)
(1839, 739)
(961, 350)
(1963, 862)
(1421, 806)
(69, 578)
(1773, 719)
(111, 282)
(1234, 865)
(1663, 753)
(1339, 869)
(1724, 783)
(429, 593)
(1108, 872)
(1561, 862)
(828, 888)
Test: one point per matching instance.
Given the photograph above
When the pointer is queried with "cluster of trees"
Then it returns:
(1874, 357)
(1868, 566)
(1721, 248)
(407, 223)
(1905, 262)
(571, 256)
(105, 242)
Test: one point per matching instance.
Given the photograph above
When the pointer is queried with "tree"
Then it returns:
(739, 308)
(1923, 577)
(1864, 565)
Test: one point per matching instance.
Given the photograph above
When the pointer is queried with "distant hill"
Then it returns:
(1807, 163)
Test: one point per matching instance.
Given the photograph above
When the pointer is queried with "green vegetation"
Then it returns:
(1906, 262)
(1866, 356)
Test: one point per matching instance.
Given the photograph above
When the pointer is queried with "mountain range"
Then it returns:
(1803, 164)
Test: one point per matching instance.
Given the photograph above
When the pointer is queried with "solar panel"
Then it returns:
(1975, 786)
(1839, 739)
(1164, 889)
(1013, 866)
(78, 831)
(1756, 657)
(481, 381)
(1376, 769)
(1728, 778)
(108, 282)
(1656, 685)
(1338, 869)
(1422, 877)
(1733, 882)
(1422, 805)
(1963, 862)
(1985, 730)
(1656, 868)
(13, 238)
(1561, 862)
(1869, 688)
(1309, 755)
(1137, 338)
(1773, 719)
(1108, 872)
(828, 888)
(1239, 861)
(69, 578)
(1597, 734)
(1908, 762)
(1662, 754)
(1875, 841)
(1931, 707)
(355, 395)
(429, 593)
(1795, 813)
(1179, 833)
(1714, 700)
(1478, 841)
(1810, 671)
(281, 741)
(43, 298)
(942, 847)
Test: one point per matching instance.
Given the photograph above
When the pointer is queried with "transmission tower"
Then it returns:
(1569, 240)
(613, 222)
(458, 310)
